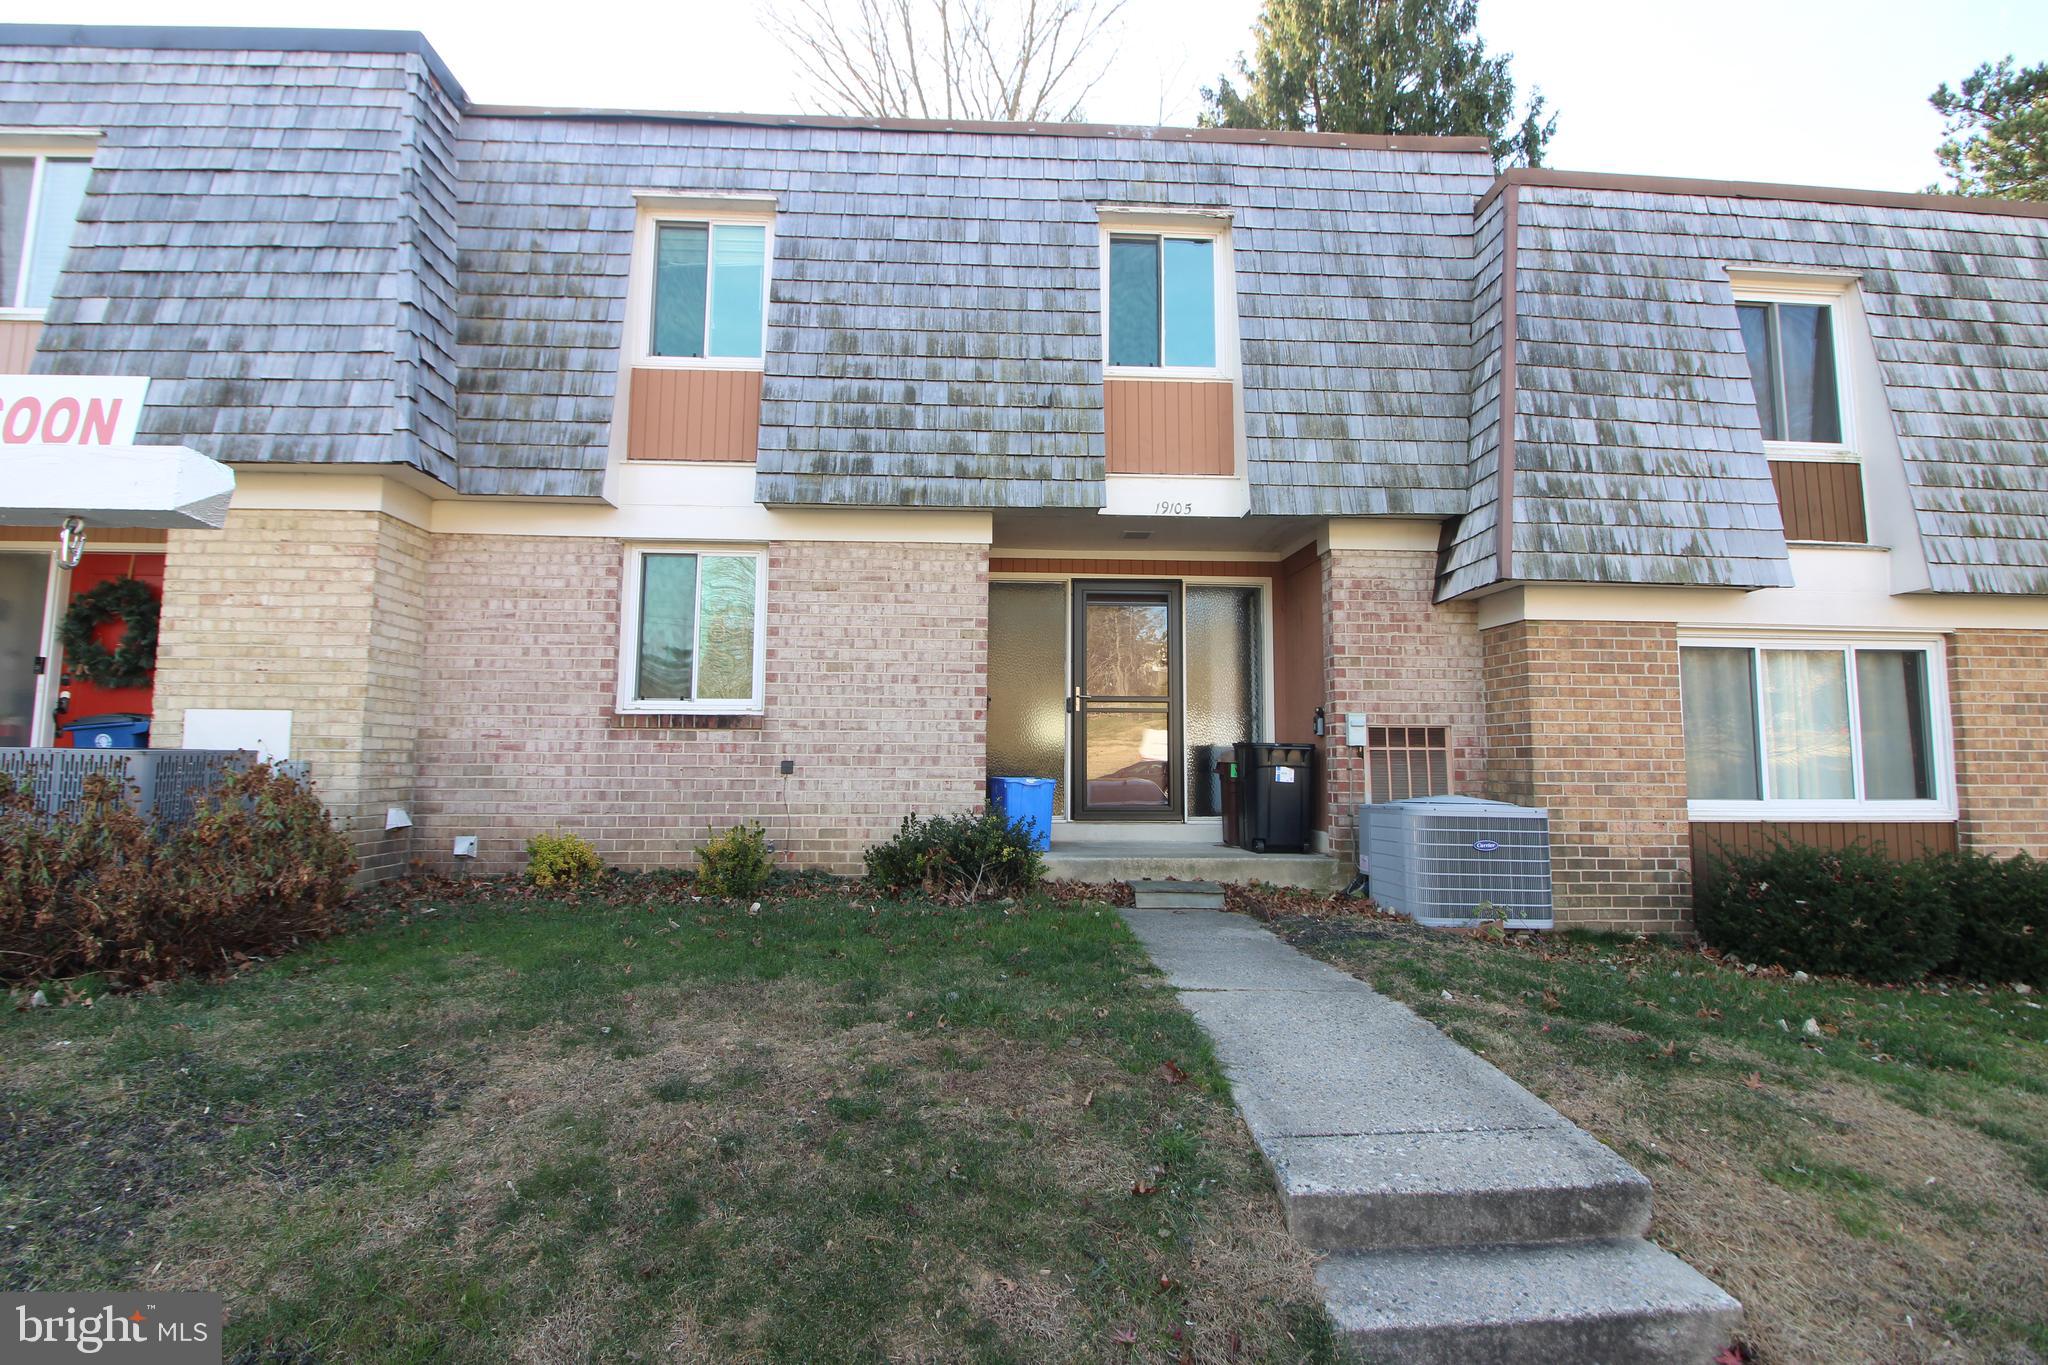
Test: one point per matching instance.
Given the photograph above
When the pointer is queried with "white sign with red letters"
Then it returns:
(69, 410)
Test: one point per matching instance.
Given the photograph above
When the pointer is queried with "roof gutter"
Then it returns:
(1754, 189)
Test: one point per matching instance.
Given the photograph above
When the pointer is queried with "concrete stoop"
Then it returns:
(1138, 860)
(1176, 895)
(1461, 1218)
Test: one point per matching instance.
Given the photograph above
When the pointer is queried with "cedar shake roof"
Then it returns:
(321, 252)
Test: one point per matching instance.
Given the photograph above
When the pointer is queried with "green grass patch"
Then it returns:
(825, 1131)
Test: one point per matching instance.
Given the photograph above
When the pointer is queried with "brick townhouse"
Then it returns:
(638, 473)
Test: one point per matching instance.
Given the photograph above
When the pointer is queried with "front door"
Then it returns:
(1126, 701)
(24, 588)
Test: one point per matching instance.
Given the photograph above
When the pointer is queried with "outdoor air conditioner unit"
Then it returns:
(1457, 860)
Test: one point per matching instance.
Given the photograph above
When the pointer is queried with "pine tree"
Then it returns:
(1997, 134)
(1412, 67)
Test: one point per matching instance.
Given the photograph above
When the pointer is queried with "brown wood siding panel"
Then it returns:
(1900, 839)
(1821, 500)
(1135, 568)
(1169, 426)
(1297, 647)
(699, 415)
(18, 345)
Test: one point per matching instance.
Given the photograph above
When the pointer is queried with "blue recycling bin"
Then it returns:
(117, 730)
(1025, 800)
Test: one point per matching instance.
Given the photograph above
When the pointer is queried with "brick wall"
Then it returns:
(876, 679)
(316, 613)
(1399, 658)
(1998, 694)
(1583, 719)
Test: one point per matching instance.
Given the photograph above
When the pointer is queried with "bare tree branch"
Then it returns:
(980, 59)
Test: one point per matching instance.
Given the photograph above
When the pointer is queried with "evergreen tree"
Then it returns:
(1997, 136)
(1413, 67)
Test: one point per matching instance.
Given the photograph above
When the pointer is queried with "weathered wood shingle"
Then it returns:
(1639, 455)
(266, 236)
(935, 334)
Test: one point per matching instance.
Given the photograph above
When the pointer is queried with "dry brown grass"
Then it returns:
(734, 1090)
(1851, 1227)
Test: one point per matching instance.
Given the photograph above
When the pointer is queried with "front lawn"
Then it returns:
(491, 1128)
(1872, 1188)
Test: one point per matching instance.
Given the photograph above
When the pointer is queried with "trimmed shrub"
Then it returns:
(561, 859)
(735, 863)
(256, 870)
(1851, 911)
(968, 857)
(2001, 916)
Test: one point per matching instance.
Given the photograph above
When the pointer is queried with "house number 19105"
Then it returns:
(1167, 508)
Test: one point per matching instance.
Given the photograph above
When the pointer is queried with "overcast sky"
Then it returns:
(1824, 92)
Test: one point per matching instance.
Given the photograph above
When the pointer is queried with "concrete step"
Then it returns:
(1376, 1191)
(1100, 863)
(1172, 895)
(1617, 1302)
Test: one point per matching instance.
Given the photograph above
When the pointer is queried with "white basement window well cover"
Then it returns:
(1800, 729)
(693, 642)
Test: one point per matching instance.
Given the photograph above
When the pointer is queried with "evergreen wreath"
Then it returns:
(85, 657)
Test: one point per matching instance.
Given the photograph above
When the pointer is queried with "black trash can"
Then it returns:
(1274, 801)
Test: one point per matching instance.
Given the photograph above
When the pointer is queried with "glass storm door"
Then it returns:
(1126, 701)
(24, 578)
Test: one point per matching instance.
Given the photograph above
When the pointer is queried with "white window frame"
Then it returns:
(13, 310)
(1940, 730)
(629, 635)
(1832, 296)
(714, 212)
(1194, 225)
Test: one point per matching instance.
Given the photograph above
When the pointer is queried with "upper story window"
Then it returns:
(1793, 368)
(39, 201)
(710, 291)
(1815, 729)
(1162, 301)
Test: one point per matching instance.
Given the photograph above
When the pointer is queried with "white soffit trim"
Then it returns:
(1383, 533)
(658, 503)
(161, 487)
(716, 204)
(1840, 589)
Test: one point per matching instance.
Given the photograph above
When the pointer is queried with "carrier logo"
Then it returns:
(70, 410)
(1486, 845)
(164, 1329)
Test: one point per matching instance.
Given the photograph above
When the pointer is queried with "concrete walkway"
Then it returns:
(1463, 1218)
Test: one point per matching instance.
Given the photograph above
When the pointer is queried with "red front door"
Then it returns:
(88, 699)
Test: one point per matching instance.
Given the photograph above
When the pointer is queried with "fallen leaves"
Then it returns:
(1172, 1072)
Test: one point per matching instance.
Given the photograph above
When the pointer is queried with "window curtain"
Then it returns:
(1806, 333)
(1806, 706)
(1720, 724)
(668, 626)
(1891, 704)
(681, 252)
(1756, 339)
(1134, 300)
